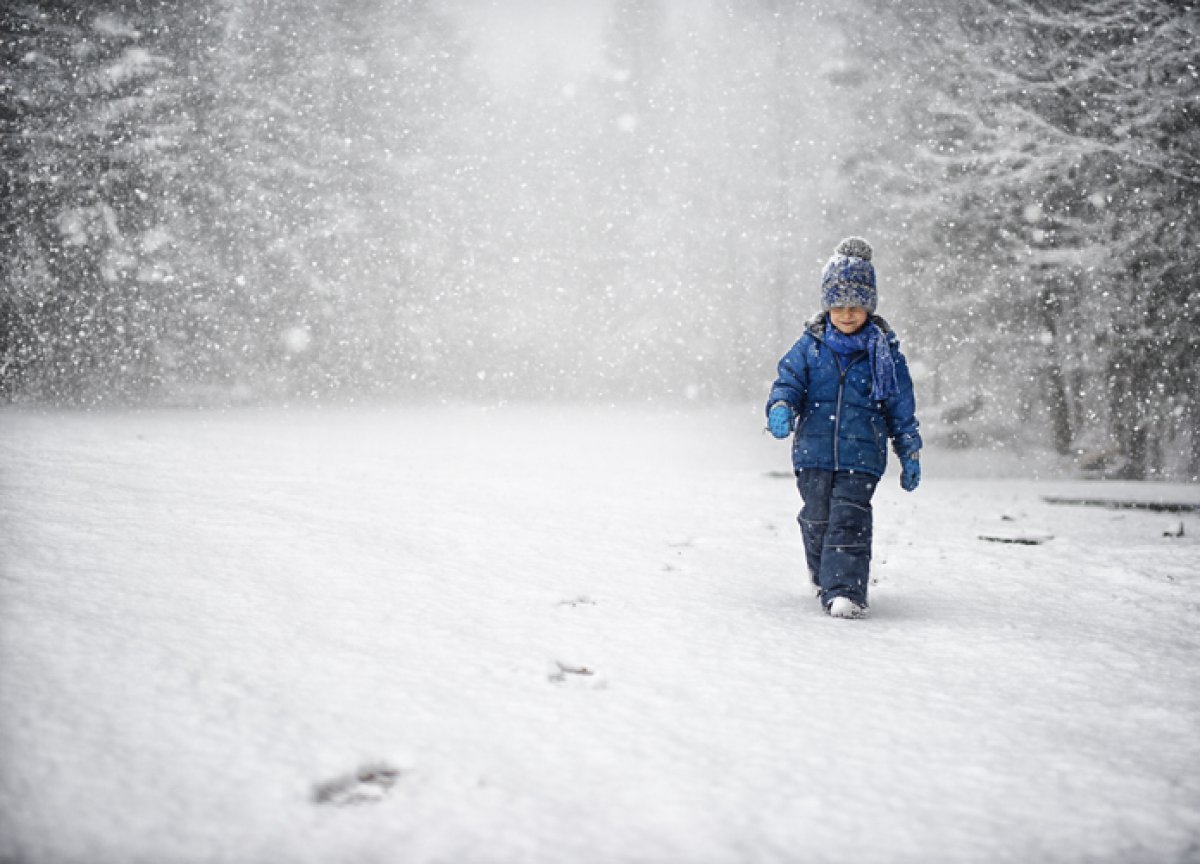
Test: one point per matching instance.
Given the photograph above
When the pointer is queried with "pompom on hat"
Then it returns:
(849, 277)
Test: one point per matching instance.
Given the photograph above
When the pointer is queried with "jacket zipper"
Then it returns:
(843, 369)
(837, 414)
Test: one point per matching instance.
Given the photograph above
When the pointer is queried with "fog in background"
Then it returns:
(240, 201)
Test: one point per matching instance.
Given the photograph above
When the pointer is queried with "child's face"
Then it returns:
(848, 319)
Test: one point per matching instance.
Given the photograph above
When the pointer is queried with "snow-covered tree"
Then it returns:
(224, 195)
(91, 132)
(1042, 160)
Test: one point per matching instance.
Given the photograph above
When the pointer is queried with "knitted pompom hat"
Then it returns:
(849, 277)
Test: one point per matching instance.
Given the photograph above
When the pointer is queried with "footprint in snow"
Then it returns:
(369, 784)
(560, 672)
(582, 600)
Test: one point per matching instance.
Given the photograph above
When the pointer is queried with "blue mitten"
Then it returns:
(779, 420)
(910, 472)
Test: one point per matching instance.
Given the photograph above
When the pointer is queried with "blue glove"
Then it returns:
(910, 472)
(779, 420)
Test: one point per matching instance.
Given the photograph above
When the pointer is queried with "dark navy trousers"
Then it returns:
(836, 523)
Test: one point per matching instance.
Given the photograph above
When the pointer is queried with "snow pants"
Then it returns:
(836, 523)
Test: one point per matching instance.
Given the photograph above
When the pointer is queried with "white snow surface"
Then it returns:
(568, 634)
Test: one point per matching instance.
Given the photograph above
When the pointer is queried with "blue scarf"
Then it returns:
(874, 341)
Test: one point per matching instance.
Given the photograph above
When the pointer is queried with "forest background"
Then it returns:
(245, 201)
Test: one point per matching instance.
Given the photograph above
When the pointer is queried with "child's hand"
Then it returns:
(910, 472)
(779, 420)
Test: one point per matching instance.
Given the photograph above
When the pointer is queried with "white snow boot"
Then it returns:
(844, 607)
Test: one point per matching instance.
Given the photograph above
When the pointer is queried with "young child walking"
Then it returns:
(844, 390)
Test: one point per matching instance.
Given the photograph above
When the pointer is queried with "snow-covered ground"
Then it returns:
(568, 634)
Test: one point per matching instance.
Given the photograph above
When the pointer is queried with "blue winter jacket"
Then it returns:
(839, 427)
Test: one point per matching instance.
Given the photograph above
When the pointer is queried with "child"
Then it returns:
(844, 389)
